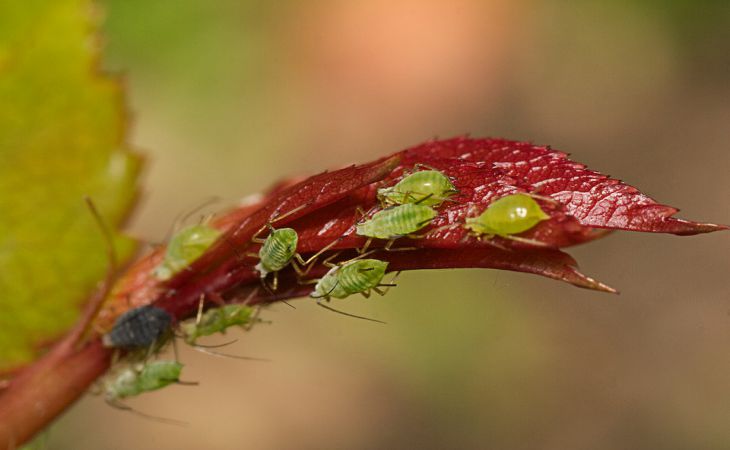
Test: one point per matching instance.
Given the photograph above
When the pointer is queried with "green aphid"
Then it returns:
(184, 248)
(507, 216)
(397, 221)
(142, 378)
(426, 187)
(359, 276)
(277, 251)
(217, 320)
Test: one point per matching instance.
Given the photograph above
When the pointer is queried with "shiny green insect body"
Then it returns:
(397, 221)
(184, 248)
(359, 276)
(507, 216)
(142, 378)
(426, 187)
(217, 320)
(277, 250)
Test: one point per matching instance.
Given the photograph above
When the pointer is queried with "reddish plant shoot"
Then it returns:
(579, 205)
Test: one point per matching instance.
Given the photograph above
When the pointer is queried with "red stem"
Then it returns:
(45, 389)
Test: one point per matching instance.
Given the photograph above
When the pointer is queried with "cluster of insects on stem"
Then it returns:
(403, 210)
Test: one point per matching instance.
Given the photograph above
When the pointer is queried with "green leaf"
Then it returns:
(62, 130)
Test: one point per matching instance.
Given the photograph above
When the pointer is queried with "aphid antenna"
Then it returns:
(288, 304)
(216, 345)
(349, 314)
(93, 307)
(207, 351)
(418, 166)
(239, 256)
(121, 406)
(544, 198)
(204, 218)
(269, 224)
(272, 290)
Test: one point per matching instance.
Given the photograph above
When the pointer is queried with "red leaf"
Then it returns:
(592, 198)
(582, 205)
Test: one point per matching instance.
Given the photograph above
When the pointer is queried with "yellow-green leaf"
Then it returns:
(62, 130)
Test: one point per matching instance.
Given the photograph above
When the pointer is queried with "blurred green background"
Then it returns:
(228, 96)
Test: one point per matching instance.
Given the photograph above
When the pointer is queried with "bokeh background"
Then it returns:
(227, 96)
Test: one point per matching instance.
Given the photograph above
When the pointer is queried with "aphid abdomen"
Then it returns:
(124, 385)
(151, 376)
(397, 221)
(277, 251)
(139, 327)
(508, 215)
(329, 286)
(184, 248)
(158, 374)
(361, 275)
(217, 320)
(426, 187)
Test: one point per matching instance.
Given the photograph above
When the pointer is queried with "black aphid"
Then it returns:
(139, 328)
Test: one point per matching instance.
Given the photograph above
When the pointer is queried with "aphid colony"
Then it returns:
(406, 208)
(143, 331)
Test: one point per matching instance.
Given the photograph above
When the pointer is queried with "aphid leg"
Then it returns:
(254, 319)
(327, 307)
(448, 194)
(251, 296)
(365, 294)
(418, 167)
(309, 262)
(275, 281)
(410, 196)
(387, 286)
(365, 247)
(489, 239)
(533, 242)
(441, 228)
(388, 247)
(199, 316)
(424, 199)
(216, 298)
(174, 350)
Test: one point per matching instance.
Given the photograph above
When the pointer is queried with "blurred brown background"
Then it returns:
(228, 96)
